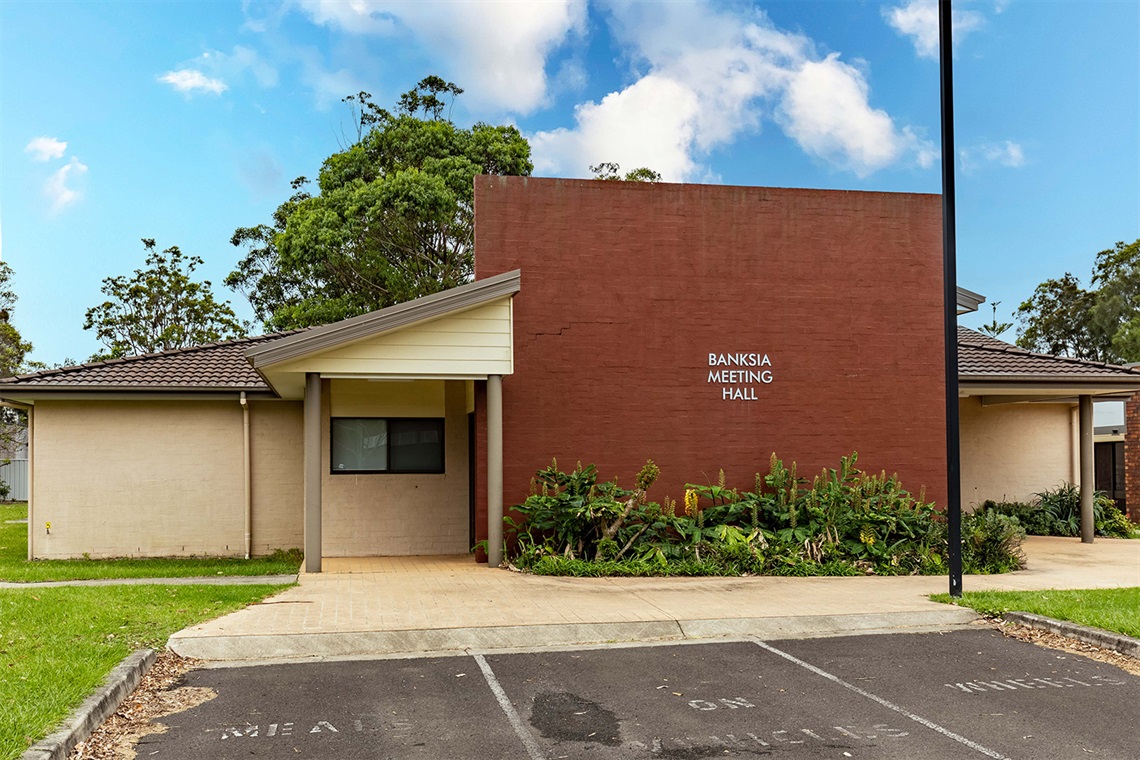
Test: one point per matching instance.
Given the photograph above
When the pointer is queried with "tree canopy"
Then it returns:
(14, 349)
(391, 218)
(611, 171)
(1101, 323)
(160, 308)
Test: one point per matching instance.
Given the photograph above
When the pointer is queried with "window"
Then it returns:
(392, 444)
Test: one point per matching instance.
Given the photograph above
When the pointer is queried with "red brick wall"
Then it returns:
(1132, 456)
(627, 288)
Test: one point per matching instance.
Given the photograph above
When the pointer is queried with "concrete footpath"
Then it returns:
(377, 606)
(191, 580)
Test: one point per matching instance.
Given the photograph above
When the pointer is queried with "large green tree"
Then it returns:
(14, 349)
(392, 217)
(160, 307)
(1101, 322)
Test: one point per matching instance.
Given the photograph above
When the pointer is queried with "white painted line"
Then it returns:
(885, 703)
(528, 741)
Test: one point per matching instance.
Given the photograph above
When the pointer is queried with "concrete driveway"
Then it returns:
(426, 604)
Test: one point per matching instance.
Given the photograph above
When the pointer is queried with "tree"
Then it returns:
(1101, 323)
(14, 351)
(995, 328)
(160, 308)
(392, 217)
(610, 171)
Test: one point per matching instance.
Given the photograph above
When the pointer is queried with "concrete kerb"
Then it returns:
(1117, 642)
(95, 709)
(489, 638)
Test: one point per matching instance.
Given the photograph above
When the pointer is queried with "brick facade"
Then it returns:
(1132, 457)
(628, 288)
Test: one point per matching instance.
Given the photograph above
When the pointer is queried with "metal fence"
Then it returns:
(15, 474)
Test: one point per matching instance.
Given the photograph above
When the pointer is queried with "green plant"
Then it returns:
(1057, 512)
(845, 522)
(991, 543)
(572, 514)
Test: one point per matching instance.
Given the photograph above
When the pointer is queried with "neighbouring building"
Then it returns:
(705, 327)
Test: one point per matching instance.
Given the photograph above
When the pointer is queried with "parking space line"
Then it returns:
(885, 703)
(523, 732)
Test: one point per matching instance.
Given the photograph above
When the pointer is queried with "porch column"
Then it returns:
(494, 470)
(312, 446)
(1088, 479)
(31, 482)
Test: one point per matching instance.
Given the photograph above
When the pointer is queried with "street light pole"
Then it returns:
(950, 301)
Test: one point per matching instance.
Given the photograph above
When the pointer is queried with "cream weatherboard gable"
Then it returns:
(469, 345)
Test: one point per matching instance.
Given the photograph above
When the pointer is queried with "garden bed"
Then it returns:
(843, 522)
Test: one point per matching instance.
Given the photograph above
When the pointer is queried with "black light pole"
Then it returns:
(950, 299)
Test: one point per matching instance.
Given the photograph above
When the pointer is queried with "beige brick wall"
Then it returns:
(277, 474)
(1012, 451)
(397, 514)
(138, 478)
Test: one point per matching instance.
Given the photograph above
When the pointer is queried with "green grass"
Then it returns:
(1114, 609)
(58, 644)
(14, 564)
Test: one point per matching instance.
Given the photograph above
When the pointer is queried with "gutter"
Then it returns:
(247, 474)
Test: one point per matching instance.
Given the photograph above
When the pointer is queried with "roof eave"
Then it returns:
(28, 391)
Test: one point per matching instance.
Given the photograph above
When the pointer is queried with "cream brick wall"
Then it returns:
(138, 478)
(1012, 451)
(278, 477)
(397, 514)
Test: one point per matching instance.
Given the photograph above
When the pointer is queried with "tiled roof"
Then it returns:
(223, 367)
(214, 366)
(981, 357)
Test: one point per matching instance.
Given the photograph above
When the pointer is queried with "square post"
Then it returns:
(312, 446)
(1088, 478)
(494, 470)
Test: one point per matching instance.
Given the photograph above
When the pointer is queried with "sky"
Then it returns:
(182, 121)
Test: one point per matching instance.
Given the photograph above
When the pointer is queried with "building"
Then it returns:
(704, 327)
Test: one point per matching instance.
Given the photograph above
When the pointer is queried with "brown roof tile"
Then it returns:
(214, 366)
(981, 357)
(223, 367)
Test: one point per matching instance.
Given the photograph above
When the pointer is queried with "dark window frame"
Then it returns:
(439, 421)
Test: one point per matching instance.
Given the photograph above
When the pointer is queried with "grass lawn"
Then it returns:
(58, 644)
(1114, 609)
(14, 565)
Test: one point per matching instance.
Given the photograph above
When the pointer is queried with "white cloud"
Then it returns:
(45, 148)
(826, 110)
(498, 48)
(1004, 153)
(918, 19)
(56, 188)
(189, 81)
(713, 76)
(221, 67)
(651, 123)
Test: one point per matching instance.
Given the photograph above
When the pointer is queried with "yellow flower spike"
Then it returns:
(691, 502)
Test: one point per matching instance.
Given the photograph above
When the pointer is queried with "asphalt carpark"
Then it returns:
(964, 694)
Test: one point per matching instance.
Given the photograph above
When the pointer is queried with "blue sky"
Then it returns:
(184, 120)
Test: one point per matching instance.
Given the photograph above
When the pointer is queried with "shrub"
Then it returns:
(991, 543)
(1057, 512)
(846, 522)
